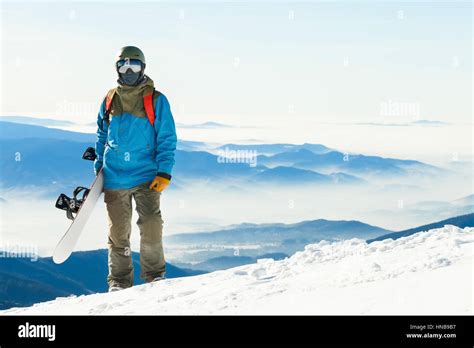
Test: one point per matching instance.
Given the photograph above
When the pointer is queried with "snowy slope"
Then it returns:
(425, 273)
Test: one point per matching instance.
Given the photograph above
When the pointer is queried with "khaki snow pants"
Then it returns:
(150, 223)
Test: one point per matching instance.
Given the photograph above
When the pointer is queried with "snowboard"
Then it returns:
(78, 209)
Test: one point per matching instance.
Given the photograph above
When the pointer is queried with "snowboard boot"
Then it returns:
(114, 288)
(157, 279)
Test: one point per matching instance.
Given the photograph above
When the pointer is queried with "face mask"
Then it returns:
(130, 78)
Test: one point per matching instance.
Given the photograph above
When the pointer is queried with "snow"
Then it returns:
(425, 273)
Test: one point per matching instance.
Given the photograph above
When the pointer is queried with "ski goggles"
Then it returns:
(124, 64)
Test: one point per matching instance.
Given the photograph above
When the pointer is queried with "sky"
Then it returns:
(264, 63)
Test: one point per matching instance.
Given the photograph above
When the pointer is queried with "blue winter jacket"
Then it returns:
(131, 151)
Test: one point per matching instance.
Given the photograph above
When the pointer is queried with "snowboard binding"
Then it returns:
(72, 205)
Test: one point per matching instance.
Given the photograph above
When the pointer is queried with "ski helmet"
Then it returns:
(131, 52)
(130, 65)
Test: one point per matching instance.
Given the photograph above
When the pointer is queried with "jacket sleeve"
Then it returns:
(165, 137)
(102, 128)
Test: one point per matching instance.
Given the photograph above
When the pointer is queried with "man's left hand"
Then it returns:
(159, 184)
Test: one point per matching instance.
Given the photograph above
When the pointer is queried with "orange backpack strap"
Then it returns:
(108, 104)
(149, 99)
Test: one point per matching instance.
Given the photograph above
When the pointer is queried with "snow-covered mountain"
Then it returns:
(424, 273)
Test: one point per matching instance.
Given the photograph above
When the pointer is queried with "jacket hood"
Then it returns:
(131, 97)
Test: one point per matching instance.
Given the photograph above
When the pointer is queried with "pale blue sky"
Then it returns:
(244, 63)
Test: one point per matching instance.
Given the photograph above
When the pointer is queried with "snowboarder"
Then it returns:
(135, 149)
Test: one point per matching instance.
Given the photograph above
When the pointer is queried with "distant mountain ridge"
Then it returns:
(307, 231)
(273, 149)
(11, 130)
(51, 158)
(348, 163)
(19, 130)
(459, 221)
(47, 122)
(205, 125)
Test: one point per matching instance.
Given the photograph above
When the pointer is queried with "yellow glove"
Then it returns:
(159, 184)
